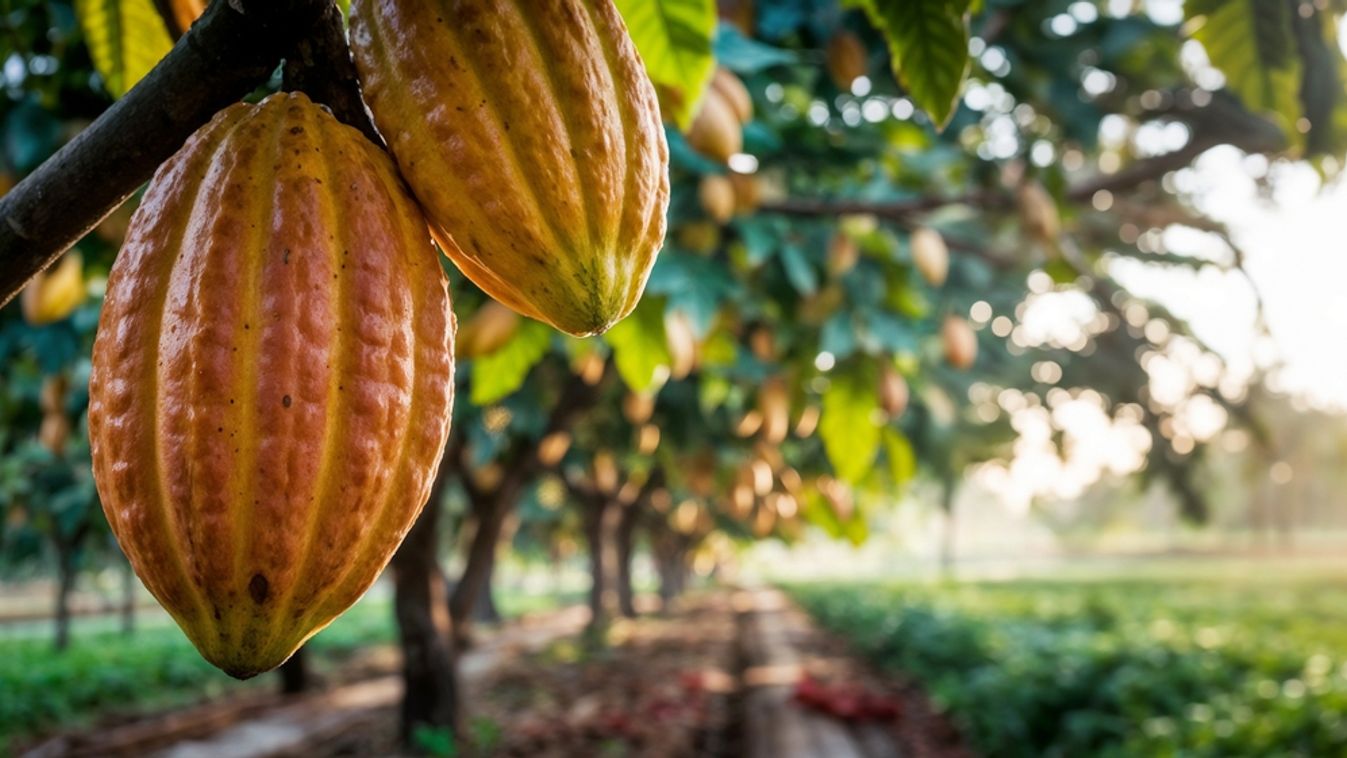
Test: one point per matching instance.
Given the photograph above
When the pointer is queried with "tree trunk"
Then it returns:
(948, 526)
(624, 539)
(128, 599)
(65, 584)
(595, 512)
(490, 513)
(664, 547)
(430, 697)
(295, 673)
(484, 611)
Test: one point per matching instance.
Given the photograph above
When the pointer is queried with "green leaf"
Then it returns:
(850, 434)
(674, 40)
(928, 43)
(1253, 43)
(126, 38)
(497, 375)
(902, 458)
(640, 348)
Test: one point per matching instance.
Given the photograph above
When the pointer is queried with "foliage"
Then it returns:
(1128, 667)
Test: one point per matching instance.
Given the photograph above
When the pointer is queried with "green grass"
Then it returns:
(105, 672)
(1154, 667)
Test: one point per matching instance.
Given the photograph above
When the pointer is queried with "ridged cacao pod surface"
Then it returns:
(531, 134)
(272, 379)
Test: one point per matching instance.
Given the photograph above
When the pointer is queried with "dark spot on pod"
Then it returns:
(286, 401)
(296, 130)
(258, 588)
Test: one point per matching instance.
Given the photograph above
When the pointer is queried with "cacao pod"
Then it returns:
(638, 407)
(716, 194)
(843, 254)
(701, 237)
(847, 59)
(54, 432)
(606, 476)
(774, 404)
(930, 255)
(186, 11)
(271, 380)
(961, 343)
(553, 447)
(487, 331)
(732, 89)
(808, 421)
(531, 134)
(7, 182)
(893, 392)
(590, 368)
(716, 131)
(53, 295)
(763, 344)
(1038, 213)
(682, 343)
(738, 12)
(52, 397)
(747, 193)
(647, 439)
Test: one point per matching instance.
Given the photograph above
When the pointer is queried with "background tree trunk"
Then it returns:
(128, 599)
(624, 539)
(430, 697)
(295, 673)
(595, 510)
(484, 611)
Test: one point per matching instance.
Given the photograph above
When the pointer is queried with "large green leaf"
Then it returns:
(126, 39)
(928, 43)
(674, 39)
(640, 348)
(1253, 43)
(850, 434)
(497, 375)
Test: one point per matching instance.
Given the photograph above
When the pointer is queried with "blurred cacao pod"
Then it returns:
(186, 11)
(531, 135)
(893, 392)
(638, 407)
(763, 343)
(271, 380)
(52, 397)
(716, 131)
(716, 194)
(53, 295)
(930, 255)
(847, 59)
(1038, 213)
(747, 193)
(701, 237)
(54, 432)
(732, 89)
(682, 342)
(961, 343)
(774, 405)
(553, 447)
(738, 12)
(487, 330)
(843, 254)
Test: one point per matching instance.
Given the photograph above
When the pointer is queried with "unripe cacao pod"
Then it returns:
(930, 255)
(843, 254)
(893, 391)
(735, 94)
(53, 295)
(487, 331)
(716, 131)
(701, 237)
(531, 135)
(716, 194)
(847, 59)
(271, 380)
(961, 343)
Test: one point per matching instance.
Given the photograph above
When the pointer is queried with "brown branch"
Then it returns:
(232, 49)
(165, 8)
(320, 66)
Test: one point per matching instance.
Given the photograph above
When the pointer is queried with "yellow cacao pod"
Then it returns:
(930, 255)
(487, 331)
(716, 194)
(961, 343)
(684, 352)
(774, 404)
(843, 254)
(747, 193)
(55, 294)
(531, 135)
(1038, 213)
(732, 89)
(716, 131)
(847, 59)
(271, 380)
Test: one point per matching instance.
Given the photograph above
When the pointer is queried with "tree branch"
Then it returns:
(320, 66)
(232, 49)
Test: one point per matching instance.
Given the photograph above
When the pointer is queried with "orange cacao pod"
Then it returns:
(532, 137)
(747, 192)
(961, 343)
(843, 254)
(271, 380)
(847, 59)
(893, 391)
(732, 89)
(716, 131)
